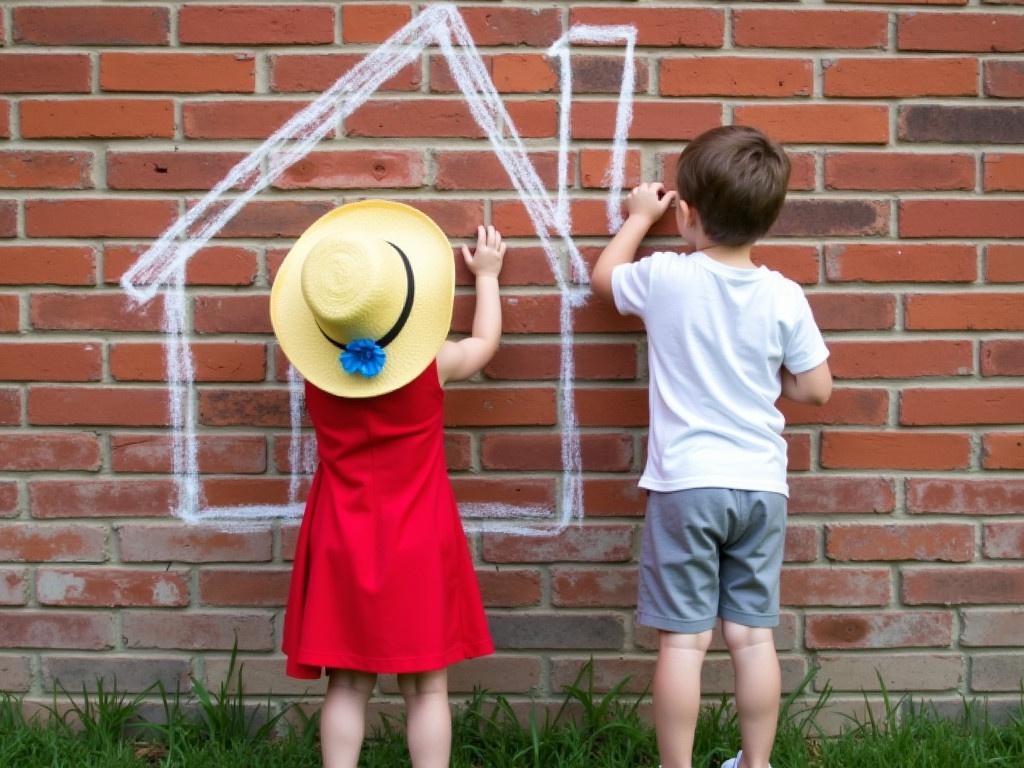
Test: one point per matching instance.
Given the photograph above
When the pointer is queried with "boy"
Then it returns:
(724, 339)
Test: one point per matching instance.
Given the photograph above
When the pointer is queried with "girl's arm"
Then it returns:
(459, 360)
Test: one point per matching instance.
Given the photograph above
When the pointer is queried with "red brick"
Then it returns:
(449, 118)
(12, 592)
(94, 312)
(541, 314)
(45, 73)
(97, 119)
(510, 451)
(50, 361)
(832, 495)
(5, 119)
(126, 674)
(256, 25)
(455, 444)
(655, 120)
(476, 406)
(15, 671)
(198, 631)
(613, 497)
(111, 587)
(809, 29)
(169, 170)
(233, 314)
(819, 123)
(100, 498)
(801, 544)
(963, 586)
(990, 405)
(797, 262)
(32, 542)
(961, 218)
(901, 76)
(891, 171)
(144, 543)
(836, 586)
(100, 406)
(34, 452)
(57, 629)
(277, 218)
(612, 407)
(981, 32)
(372, 23)
(8, 218)
(512, 26)
(897, 672)
(224, 361)
(92, 25)
(895, 450)
(901, 262)
(53, 265)
(233, 454)
(483, 170)
(807, 217)
(900, 359)
(244, 407)
(847, 406)
(8, 499)
(950, 542)
(1004, 79)
(964, 311)
(109, 217)
(457, 218)
(523, 265)
(593, 588)
(919, 629)
(798, 450)
(355, 169)
(10, 406)
(591, 543)
(1002, 357)
(509, 587)
(736, 76)
(1004, 263)
(660, 27)
(596, 163)
(213, 265)
(970, 124)
(982, 626)
(45, 170)
(590, 74)
(178, 72)
(234, 587)
(965, 497)
(1004, 172)
(1004, 540)
(249, 491)
(1003, 450)
(302, 73)
(224, 119)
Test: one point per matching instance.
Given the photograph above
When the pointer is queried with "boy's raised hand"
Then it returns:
(649, 200)
(489, 254)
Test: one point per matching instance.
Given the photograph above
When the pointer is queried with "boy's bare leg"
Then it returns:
(758, 686)
(343, 717)
(428, 718)
(677, 695)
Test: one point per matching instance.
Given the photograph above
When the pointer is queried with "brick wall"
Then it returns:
(905, 225)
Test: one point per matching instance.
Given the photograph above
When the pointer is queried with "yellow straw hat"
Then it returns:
(363, 300)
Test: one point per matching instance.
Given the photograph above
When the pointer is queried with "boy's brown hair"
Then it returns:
(736, 179)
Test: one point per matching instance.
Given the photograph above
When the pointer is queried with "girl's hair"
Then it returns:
(736, 179)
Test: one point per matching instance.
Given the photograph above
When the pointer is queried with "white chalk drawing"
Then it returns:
(161, 269)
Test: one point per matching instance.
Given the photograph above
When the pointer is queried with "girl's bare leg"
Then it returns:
(428, 717)
(343, 717)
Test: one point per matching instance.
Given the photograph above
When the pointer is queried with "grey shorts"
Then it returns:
(710, 552)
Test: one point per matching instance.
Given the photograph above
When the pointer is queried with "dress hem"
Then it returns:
(312, 663)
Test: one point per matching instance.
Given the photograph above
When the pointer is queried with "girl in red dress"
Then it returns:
(382, 579)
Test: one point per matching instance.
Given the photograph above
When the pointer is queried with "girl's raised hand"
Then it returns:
(489, 254)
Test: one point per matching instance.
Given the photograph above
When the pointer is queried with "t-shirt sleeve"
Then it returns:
(805, 348)
(631, 286)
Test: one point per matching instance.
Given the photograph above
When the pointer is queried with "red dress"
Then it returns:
(382, 579)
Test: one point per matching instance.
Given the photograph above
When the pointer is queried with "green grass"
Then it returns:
(222, 728)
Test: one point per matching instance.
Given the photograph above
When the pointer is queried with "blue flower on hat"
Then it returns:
(363, 356)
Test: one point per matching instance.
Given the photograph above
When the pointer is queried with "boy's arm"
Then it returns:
(459, 360)
(813, 387)
(645, 207)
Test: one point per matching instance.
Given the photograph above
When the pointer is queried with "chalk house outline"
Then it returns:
(164, 263)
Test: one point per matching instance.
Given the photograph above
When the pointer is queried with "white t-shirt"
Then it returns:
(717, 337)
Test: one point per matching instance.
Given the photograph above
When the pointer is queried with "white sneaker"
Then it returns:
(734, 762)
